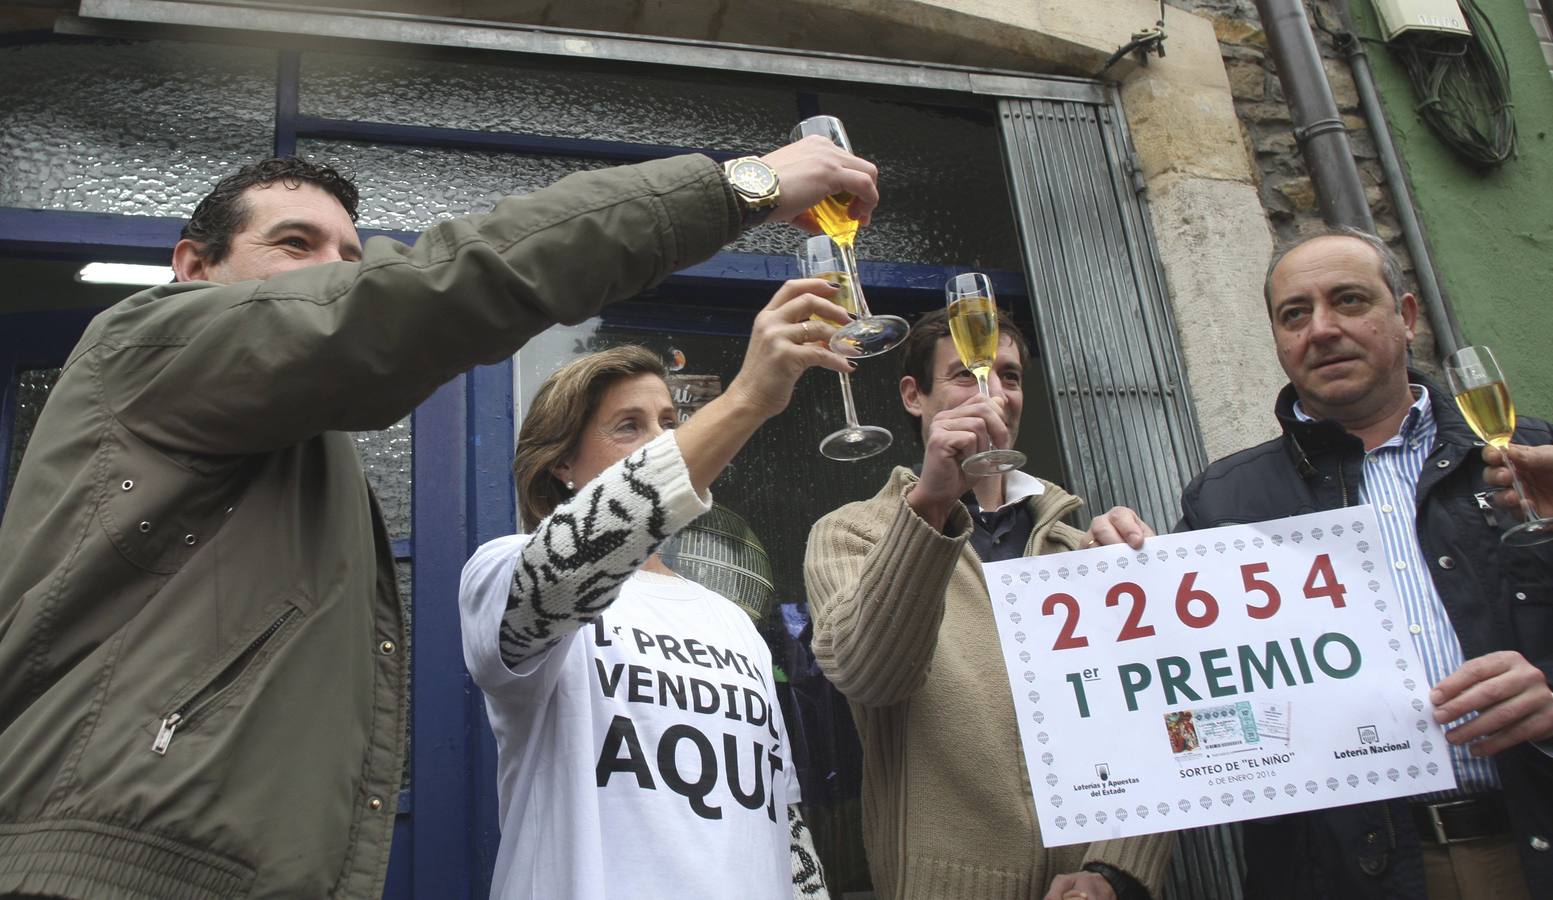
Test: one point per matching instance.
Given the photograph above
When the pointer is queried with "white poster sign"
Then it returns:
(1224, 674)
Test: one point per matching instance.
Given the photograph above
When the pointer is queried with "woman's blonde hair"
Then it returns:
(552, 428)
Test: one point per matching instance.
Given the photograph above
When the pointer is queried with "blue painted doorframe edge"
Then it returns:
(462, 438)
(493, 505)
(725, 278)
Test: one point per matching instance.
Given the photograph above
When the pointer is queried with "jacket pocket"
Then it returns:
(210, 694)
(160, 511)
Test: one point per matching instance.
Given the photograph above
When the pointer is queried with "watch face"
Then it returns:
(752, 177)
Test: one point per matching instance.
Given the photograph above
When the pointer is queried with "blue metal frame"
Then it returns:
(288, 94)
(58, 234)
(446, 832)
(491, 141)
(493, 513)
(725, 279)
(291, 124)
(441, 861)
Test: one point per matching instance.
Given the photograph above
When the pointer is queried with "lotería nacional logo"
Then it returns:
(1370, 744)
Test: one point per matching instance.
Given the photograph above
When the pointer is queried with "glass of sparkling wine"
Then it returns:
(973, 323)
(821, 258)
(1484, 399)
(869, 335)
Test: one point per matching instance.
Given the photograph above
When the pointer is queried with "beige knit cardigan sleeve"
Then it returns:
(877, 574)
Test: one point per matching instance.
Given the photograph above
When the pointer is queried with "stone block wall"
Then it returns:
(1537, 10)
(1282, 179)
(1284, 182)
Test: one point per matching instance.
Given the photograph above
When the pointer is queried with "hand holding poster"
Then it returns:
(1220, 675)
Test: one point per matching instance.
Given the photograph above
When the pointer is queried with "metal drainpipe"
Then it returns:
(1317, 125)
(1447, 331)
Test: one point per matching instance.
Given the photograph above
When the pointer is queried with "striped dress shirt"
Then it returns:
(1390, 484)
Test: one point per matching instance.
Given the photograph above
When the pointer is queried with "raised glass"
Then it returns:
(973, 324)
(1484, 398)
(821, 258)
(868, 335)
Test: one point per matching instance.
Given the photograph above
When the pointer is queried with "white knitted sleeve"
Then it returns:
(808, 877)
(572, 568)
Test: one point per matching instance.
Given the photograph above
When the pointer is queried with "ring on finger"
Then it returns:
(806, 332)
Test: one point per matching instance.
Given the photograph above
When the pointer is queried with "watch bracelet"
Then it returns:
(1123, 885)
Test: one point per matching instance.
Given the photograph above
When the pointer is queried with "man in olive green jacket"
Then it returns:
(903, 627)
(203, 686)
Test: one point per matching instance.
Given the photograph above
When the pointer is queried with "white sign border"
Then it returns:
(1296, 529)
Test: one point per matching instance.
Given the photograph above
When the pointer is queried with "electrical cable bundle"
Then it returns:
(1463, 86)
(1149, 40)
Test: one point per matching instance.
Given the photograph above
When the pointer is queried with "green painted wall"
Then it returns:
(1491, 232)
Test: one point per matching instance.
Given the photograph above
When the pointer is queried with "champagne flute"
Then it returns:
(1480, 390)
(869, 335)
(821, 258)
(973, 324)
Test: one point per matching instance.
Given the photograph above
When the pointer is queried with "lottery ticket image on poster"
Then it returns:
(1226, 730)
(1183, 735)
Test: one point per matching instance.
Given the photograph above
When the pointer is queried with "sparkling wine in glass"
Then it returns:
(973, 324)
(821, 258)
(868, 335)
(1479, 386)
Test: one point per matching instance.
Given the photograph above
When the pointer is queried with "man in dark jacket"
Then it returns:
(203, 685)
(1360, 427)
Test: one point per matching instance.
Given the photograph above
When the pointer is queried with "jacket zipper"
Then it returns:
(1342, 483)
(175, 719)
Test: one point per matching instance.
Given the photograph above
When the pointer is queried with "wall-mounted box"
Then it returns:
(1413, 16)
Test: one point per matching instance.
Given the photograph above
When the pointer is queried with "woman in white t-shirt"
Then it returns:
(641, 749)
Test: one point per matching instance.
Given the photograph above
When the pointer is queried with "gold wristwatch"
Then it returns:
(756, 187)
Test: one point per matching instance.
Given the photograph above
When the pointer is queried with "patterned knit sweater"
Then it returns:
(581, 555)
(903, 627)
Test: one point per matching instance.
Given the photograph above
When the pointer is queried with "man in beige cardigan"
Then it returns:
(903, 627)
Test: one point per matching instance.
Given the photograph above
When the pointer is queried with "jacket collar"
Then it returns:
(1308, 440)
(1017, 488)
(1048, 501)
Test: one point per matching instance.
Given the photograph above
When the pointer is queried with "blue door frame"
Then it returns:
(446, 830)
(462, 440)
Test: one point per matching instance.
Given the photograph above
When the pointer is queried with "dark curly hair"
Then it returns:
(224, 212)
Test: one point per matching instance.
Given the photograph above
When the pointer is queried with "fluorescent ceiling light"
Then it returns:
(123, 273)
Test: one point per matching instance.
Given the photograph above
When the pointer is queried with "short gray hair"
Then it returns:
(1390, 266)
